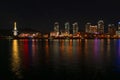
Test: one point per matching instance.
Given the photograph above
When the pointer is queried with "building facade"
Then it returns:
(101, 27)
(93, 29)
(75, 28)
(87, 27)
(67, 28)
(111, 29)
(118, 31)
(56, 28)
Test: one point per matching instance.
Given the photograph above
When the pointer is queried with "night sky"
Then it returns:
(41, 14)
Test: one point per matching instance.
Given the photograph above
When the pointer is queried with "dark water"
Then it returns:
(34, 59)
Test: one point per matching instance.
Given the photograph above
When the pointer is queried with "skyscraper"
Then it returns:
(67, 27)
(100, 26)
(118, 31)
(111, 29)
(75, 28)
(56, 28)
(15, 31)
(87, 27)
(118, 26)
(93, 29)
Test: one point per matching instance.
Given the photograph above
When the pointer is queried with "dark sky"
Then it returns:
(41, 14)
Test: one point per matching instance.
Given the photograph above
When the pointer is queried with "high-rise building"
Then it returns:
(111, 29)
(67, 27)
(75, 28)
(93, 29)
(118, 31)
(100, 26)
(87, 27)
(56, 28)
(15, 31)
(118, 26)
(90, 28)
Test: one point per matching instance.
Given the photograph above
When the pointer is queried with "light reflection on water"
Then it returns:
(15, 59)
(117, 59)
(73, 56)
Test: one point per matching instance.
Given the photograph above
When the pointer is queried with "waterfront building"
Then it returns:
(118, 26)
(56, 28)
(101, 27)
(62, 33)
(87, 27)
(93, 29)
(52, 34)
(118, 31)
(67, 28)
(111, 29)
(30, 35)
(75, 28)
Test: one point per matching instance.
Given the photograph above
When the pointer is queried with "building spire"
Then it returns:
(15, 28)
(15, 31)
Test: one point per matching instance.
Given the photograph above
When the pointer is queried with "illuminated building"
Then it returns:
(118, 31)
(75, 28)
(93, 29)
(30, 35)
(56, 28)
(67, 27)
(111, 29)
(16, 59)
(118, 26)
(100, 26)
(62, 32)
(52, 34)
(15, 31)
(87, 27)
(90, 28)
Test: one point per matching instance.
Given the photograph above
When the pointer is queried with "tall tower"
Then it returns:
(100, 27)
(75, 27)
(111, 29)
(56, 28)
(67, 27)
(87, 27)
(15, 31)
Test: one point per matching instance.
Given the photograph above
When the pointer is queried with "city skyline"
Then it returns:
(63, 25)
(42, 14)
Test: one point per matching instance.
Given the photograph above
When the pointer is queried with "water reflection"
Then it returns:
(108, 47)
(47, 51)
(35, 55)
(26, 54)
(102, 47)
(118, 48)
(30, 53)
(89, 56)
(96, 49)
(96, 46)
(15, 59)
(70, 49)
(117, 62)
